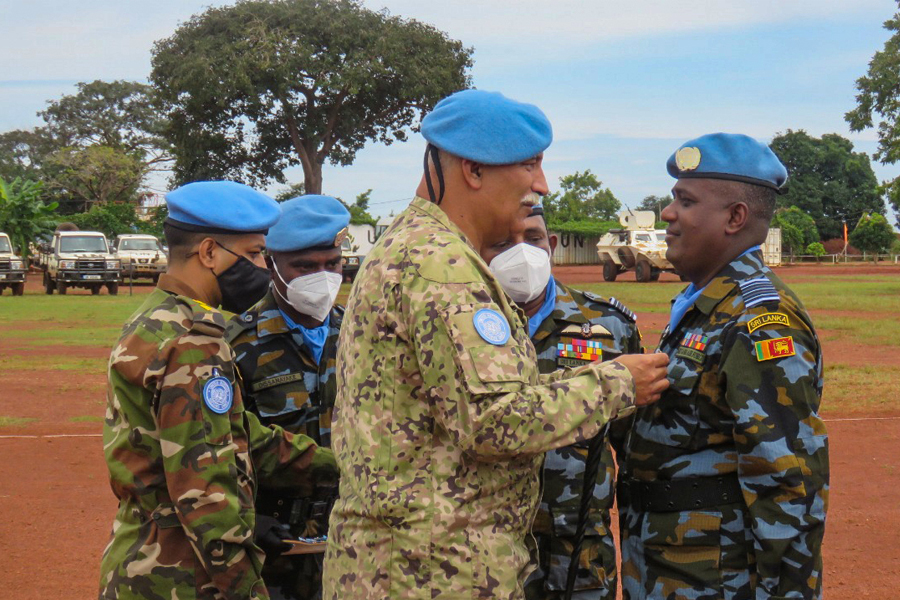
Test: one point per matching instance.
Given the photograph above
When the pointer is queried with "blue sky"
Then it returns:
(624, 83)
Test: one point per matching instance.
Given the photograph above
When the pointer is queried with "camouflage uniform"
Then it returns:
(185, 475)
(725, 480)
(439, 434)
(578, 318)
(283, 385)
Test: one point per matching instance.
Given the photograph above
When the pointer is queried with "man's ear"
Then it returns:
(553, 239)
(738, 218)
(206, 252)
(472, 173)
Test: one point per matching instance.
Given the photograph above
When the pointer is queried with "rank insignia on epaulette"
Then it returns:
(586, 330)
(583, 350)
(767, 319)
(777, 348)
(693, 347)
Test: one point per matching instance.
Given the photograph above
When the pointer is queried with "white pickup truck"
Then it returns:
(79, 259)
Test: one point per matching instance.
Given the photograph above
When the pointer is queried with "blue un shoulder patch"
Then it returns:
(758, 291)
(218, 395)
(491, 326)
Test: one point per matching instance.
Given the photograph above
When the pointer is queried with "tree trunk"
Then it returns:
(312, 177)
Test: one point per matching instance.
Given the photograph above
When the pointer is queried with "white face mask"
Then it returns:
(312, 294)
(523, 271)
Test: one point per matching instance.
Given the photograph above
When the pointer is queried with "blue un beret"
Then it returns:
(308, 222)
(221, 207)
(487, 127)
(728, 156)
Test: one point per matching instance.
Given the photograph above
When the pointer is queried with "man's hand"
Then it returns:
(649, 373)
(269, 534)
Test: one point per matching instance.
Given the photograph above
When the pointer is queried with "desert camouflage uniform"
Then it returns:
(741, 425)
(439, 434)
(578, 316)
(185, 475)
(284, 386)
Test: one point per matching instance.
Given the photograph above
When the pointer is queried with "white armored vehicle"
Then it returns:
(638, 245)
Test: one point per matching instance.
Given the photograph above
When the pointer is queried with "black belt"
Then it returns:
(694, 493)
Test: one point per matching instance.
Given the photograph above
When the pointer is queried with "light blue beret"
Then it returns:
(221, 207)
(732, 156)
(487, 127)
(308, 222)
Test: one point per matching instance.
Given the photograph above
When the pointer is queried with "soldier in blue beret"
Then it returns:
(285, 347)
(185, 457)
(442, 416)
(724, 483)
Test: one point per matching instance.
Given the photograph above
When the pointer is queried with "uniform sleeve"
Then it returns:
(772, 386)
(489, 398)
(289, 461)
(207, 473)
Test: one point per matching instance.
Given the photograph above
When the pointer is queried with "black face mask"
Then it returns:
(242, 285)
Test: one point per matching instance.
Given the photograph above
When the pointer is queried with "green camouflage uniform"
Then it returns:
(724, 485)
(578, 317)
(283, 385)
(439, 434)
(185, 475)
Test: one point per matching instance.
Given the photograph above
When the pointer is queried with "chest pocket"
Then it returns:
(281, 394)
(486, 368)
(684, 375)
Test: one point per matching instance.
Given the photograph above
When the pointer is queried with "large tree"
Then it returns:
(22, 213)
(581, 197)
(879, 99)
(254, 88)
(827, 180)
(873, 234)
(96, 175)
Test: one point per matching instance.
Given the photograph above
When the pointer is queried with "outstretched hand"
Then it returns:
(649, 373)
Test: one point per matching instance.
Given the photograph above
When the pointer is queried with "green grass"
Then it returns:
(640, 297)
(864, 389)
(55, 309)
(862, 294)
(862, 329)
(87, 419)
(15, 421)
(52, 362)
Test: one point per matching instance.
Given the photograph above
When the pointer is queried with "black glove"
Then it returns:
(269, 534)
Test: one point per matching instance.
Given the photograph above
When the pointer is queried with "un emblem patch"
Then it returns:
(218, 395)
(491, 326)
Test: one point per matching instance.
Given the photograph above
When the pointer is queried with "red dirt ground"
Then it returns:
(57, 508)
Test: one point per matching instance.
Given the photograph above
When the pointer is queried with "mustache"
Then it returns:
(531, 198)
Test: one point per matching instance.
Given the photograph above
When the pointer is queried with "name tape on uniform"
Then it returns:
(767, 319)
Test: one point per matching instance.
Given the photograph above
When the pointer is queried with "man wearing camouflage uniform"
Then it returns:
(285, 349)
(569, 328)
(724, 485)
(183, 455)
(441, 417)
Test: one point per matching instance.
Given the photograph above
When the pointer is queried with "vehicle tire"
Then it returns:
(610, 270)
(95, 290)
(61, 287)
(113, 288)
(642, 270)
(48, 283)
(654, 274)
(18, 288)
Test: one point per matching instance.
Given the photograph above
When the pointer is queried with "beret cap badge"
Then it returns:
(687, 159)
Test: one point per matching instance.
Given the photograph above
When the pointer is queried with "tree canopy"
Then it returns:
(827, 180)
(256, 87)
(798, 229)
(581, 198)
(873, 234)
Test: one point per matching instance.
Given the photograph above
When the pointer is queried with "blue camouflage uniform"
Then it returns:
(581, 328)
(724, 482)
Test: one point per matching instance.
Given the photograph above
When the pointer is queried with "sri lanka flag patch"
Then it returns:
(777, 348)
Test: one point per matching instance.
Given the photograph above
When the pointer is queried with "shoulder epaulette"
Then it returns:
(209, 322)
(758, 290)
(612, 302)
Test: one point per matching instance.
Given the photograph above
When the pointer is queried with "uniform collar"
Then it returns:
(746, 266)
(172, 285)
(566, 310)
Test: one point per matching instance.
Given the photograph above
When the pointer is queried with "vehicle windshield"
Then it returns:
(138, 245)
(82, 243)
(642, 237)
(4, 245)
(661, 236)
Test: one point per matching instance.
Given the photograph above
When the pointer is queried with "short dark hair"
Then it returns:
(181, 243)
(760, 200)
